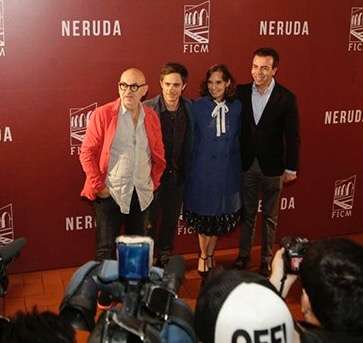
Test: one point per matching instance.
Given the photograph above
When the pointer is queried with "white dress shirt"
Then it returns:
(130, 162)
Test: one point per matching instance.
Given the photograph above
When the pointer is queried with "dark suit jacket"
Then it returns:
(275, 139)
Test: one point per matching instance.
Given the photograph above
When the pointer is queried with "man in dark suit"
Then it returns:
(270, 151)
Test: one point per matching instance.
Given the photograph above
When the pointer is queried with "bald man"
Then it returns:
(122, 156)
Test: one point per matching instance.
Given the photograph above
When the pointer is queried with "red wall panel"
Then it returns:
(47, 73)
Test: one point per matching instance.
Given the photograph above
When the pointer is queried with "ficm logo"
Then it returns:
(182, 226)
(343, 197)
(196, 27)
(78, 120)
(356, 30)
(6, 224)
(2, 29)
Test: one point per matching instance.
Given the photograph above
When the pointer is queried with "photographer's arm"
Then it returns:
(281, 281)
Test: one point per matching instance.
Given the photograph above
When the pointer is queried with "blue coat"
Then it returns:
(214, 179)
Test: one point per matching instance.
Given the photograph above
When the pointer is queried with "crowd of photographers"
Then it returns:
(241, 306)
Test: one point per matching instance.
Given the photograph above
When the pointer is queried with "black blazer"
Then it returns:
(275, 139)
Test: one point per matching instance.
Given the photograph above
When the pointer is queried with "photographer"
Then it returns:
(331, 275)
(239, 306)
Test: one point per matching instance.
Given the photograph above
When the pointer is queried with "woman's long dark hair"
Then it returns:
(226, 76)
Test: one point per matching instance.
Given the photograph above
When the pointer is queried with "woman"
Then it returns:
(212, 195)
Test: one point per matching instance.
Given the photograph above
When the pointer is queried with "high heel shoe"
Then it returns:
(203, 265)
(211, 263)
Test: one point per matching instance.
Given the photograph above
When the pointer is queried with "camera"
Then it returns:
(145, 307)
(295, 248)
(7, 254)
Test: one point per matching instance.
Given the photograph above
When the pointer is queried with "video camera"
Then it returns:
(7, 254)
(145, 303)
(295, 248)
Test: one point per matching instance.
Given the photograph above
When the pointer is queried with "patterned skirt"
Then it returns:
(212, 225)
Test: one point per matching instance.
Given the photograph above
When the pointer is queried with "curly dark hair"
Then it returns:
(38, 327)
(226, 76)
(332, 276)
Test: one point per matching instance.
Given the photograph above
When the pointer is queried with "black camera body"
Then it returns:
(146, 310)
(295, 248)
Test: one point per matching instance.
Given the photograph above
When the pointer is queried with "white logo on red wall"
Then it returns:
(79, 223)
(78, 120)
(2, 29)
(6, 135)
(182, 226)
(196, 27)
(343, 117)
(284, 28)
(286, 204)
(6, 224)
(344, 197)
(90, 28)
(356, 30)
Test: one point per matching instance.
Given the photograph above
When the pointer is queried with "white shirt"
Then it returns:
(259, 100)
(130, 162)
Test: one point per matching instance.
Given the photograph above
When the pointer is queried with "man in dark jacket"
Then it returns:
(174, 113)
(270, 151)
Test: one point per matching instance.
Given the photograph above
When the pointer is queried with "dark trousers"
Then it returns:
(164, 213)
(253, 183)
(108, 222)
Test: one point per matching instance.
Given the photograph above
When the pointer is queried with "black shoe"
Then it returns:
(202, 266)
(265, 269)
(241, 262)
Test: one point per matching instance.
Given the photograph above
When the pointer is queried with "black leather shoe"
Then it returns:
(265, 269)
(241, 262)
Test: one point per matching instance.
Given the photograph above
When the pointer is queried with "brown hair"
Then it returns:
(226, 76)
(170, 68)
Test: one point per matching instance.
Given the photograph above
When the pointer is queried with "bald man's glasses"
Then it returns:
(134, 87)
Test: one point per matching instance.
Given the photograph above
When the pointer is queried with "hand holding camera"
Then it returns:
(295, 248)
(286, 263)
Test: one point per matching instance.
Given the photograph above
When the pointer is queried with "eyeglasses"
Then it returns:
(134, 87)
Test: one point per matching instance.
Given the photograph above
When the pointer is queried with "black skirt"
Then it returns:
(212, 225)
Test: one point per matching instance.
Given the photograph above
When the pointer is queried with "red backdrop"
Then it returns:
(60, 59)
